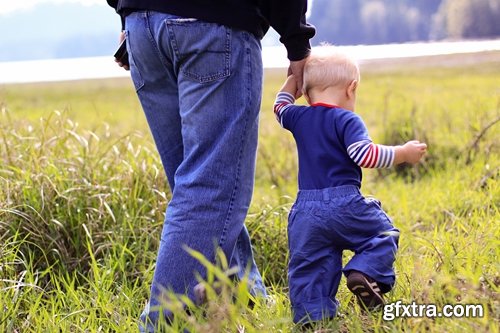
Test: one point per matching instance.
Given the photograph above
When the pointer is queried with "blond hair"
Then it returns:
(327, 67)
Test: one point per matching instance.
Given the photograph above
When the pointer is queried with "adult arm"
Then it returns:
(288, 18)
(114, 4)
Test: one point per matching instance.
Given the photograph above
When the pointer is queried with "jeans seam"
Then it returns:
(231, 200)
(152, 39)
(247, 52)
(240, 251)
(228, 51)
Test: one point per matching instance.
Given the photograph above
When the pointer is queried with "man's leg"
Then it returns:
(219, 98)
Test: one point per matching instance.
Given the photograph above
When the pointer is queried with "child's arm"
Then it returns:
(285, 97)
(290, 85)
(370, 155)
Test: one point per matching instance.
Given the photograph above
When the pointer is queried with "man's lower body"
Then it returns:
(200, 87)
(323, 223)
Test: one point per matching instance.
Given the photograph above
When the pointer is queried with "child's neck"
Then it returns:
(330, 96)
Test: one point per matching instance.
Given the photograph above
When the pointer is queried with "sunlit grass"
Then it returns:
(83, 195)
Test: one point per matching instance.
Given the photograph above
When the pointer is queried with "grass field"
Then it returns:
(82, 199)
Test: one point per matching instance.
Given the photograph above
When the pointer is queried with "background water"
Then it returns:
(273, 57)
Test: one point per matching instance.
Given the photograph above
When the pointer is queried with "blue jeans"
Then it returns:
(322, 224)
(200, 86)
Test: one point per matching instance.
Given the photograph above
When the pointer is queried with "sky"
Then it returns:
(7, 6)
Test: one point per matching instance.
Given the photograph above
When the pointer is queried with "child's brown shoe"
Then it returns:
(366, 290)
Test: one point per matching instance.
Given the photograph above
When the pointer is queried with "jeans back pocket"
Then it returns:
(202, 49)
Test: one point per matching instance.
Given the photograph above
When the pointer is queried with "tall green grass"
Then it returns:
(83, 195)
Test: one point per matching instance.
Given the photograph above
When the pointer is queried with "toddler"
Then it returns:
(330, 214)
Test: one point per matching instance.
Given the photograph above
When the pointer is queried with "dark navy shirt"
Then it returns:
(287, 17)
(322, 134)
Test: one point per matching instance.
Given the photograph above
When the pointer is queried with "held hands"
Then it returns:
(413, 151)
(296, 69)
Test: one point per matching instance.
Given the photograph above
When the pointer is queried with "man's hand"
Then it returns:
(121, 39)
(297, 69)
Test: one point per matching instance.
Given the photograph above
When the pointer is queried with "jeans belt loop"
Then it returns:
(326, 195)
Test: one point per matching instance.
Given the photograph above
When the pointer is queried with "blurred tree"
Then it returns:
(455, 17)
(390, 21)
(426, 7)
(337, 21)
(471, 18)
(396, 21)
(486, 22)
(374, 22)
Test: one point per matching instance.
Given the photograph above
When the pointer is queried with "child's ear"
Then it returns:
(351, 89)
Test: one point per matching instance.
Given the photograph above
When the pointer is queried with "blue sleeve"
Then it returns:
(288, 117)
(352, 128)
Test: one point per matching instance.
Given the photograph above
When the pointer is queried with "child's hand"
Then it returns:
(413, 151)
